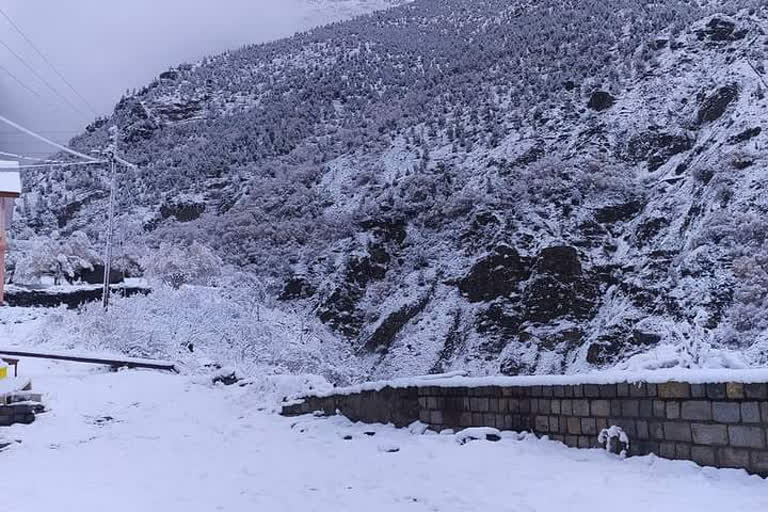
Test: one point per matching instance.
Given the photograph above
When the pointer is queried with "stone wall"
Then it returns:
(720, 424)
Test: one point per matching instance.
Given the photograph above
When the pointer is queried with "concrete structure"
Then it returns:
(722, 424)
(10, 189)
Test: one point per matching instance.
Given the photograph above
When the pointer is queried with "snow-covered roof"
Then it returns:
(10, 181)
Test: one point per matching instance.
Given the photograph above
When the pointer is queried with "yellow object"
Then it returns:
(3, 372)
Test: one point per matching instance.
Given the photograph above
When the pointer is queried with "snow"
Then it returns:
(143, 440)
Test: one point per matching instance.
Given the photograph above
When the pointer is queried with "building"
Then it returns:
(10, 189)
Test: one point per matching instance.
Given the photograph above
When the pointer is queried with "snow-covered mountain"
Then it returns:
(509, 187)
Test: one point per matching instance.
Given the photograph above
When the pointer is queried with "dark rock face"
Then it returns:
(297, 287)
(497, 275)
(387, 330)
(169, 75)
(622, 341)
(656, 148)
(746, 135)
(715, 105)
(721, 30)
(601, 100)
(182, 212)
(340, 308)
(619, 212)
(559, 288)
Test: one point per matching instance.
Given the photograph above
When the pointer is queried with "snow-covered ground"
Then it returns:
(142, 440)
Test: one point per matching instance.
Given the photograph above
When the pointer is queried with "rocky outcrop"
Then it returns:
(497, 275)
(601, 100)
(715, 105)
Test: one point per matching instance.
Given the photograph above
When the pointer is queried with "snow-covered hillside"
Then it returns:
(505, 187)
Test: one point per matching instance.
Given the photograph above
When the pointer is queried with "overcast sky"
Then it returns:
(103, 47)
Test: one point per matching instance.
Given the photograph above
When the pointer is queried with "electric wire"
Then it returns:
(47, 61)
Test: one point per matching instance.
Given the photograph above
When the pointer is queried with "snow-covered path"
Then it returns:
(146, 441)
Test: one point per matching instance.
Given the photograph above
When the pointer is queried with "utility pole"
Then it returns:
(111, 228)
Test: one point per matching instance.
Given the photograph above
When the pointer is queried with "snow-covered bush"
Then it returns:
(176, 265)
(615, 440)
(202, 328)
(58, 259)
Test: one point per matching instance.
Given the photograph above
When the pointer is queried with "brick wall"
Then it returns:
(722, 424)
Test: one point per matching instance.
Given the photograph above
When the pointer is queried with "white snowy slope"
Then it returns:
(140, 441)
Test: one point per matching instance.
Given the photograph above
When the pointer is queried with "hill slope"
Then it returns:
(505, 187)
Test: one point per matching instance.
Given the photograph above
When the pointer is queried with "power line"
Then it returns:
(42, 79)
(47, 61)
(61, 164)
(25, 86)
(47, 141)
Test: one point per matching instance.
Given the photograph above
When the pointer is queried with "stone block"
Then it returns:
(608, 391)
(578, 391)
(493, 405)
(591, 391)
(479, 404)
(642, 430)
(572, 441)
(651, 390)
(630, 408)
(554, 424)
(616, 407)
(477, 419)
(734, 390)
(547, 391)
(436, 417)
(574, 425)
(581, 407)
(503, 405)
(558, 392)
(637, 390)
(542, 424)
(535, 391)
(423, 402)
(674, 390)
(759, 462)
(424, 416)
(555, 406)
(733, 458)
(659, 409)
(601, 423)
(673, 410)
(586, 441)
(646, 408)
(489, 419)
(710, 435)
(656, 430)
(601, 408)
(588, 426)
(756, 391)
(716, 391)
(746, 437)
(667, 450)
(465, 419)
(698, 410)
(566, 407)
(545, 406)
(726, 412)
(764, 411)
(698, 391)
(644, 448)
(703, 455)
(622, 389)
(750, 412)
(683, 451)
(677, 431)
(432, 402)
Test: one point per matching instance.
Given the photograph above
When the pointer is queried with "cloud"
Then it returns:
(104, 48)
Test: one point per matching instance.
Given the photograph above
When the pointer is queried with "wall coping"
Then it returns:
(690, 376)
